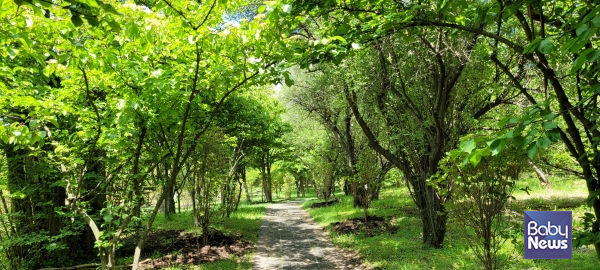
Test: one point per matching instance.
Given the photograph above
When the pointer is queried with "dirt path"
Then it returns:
(290, 239)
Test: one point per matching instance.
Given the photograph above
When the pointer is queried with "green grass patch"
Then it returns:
(244, 223)
(235, 263)
(405, 250)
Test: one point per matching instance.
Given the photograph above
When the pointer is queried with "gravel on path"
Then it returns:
(290, 239)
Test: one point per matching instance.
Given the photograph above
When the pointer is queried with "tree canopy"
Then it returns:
(111, 107)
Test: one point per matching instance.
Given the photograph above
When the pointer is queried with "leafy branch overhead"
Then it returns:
(116, 115)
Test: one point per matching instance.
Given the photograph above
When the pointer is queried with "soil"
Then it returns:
(324, 204)
(374, 226)
(177, 247)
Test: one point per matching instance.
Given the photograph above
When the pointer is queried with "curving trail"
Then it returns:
(290, 239)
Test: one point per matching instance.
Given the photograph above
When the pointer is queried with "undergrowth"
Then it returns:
(405, 250)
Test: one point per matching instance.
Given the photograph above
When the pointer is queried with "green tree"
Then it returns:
(99, 107)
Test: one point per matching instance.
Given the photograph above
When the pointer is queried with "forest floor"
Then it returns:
(184, 248)
(176, 243)
(395, 242)
(290, 239)
(333, 235)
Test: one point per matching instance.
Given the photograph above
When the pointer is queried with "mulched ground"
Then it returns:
(177, 247)
(324, 204)
(374, 226)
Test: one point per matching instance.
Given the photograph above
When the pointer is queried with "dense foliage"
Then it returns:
(112, 111)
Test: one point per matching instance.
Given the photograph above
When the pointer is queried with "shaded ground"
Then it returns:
(324, 204)
(177, 247)
(548, 203)
(374, 226)
(289, 239)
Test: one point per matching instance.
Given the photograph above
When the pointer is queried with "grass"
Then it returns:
(404, 249)
(245, 222)
(235, 263)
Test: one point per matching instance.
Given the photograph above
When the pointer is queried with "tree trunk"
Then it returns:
(432, 212)
(269, 192)
(301, 185)
(245, 183)
(359, 193)
(265, 173)
(540, 174)
(239, 196)
(195, 190)
(19, 208)
(169, 202)
(347, 188)
(178, 201)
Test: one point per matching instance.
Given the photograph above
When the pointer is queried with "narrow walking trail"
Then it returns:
(290, 239)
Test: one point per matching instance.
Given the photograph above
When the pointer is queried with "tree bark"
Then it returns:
(540, 174)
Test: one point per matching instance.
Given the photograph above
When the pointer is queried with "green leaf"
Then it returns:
(26, 41)
(12, 53)
(339, 38)
(475, 158)
(109, 8)
(543, 142)
(496, 146)
(519, 141)
(53, 121)
(503, 122)
(593, 195)
(467, 146)
(442, 4)
(546, 46)
(508, 135)
(513, 120)
(553, 134)
(549, 125)
(93, 21)
(578, 63)
(582, 28)
(454, 153)
(592, 56)
(62, 58)
(114, 25)
(596, 21)
(531, 47)
(107, 218)
(288, 81)
(531, 150)
(548, 116)
(76, 20)
(91, 3)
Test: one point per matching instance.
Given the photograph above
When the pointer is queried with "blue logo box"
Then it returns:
(548, 234)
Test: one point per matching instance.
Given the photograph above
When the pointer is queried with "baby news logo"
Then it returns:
(548, 234)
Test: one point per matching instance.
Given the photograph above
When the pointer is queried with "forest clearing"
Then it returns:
(299, 134)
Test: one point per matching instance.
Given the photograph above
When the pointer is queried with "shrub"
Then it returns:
(480, 197)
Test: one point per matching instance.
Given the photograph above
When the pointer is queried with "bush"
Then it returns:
(481, 194)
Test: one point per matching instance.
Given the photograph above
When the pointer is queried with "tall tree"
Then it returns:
(423, 88)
